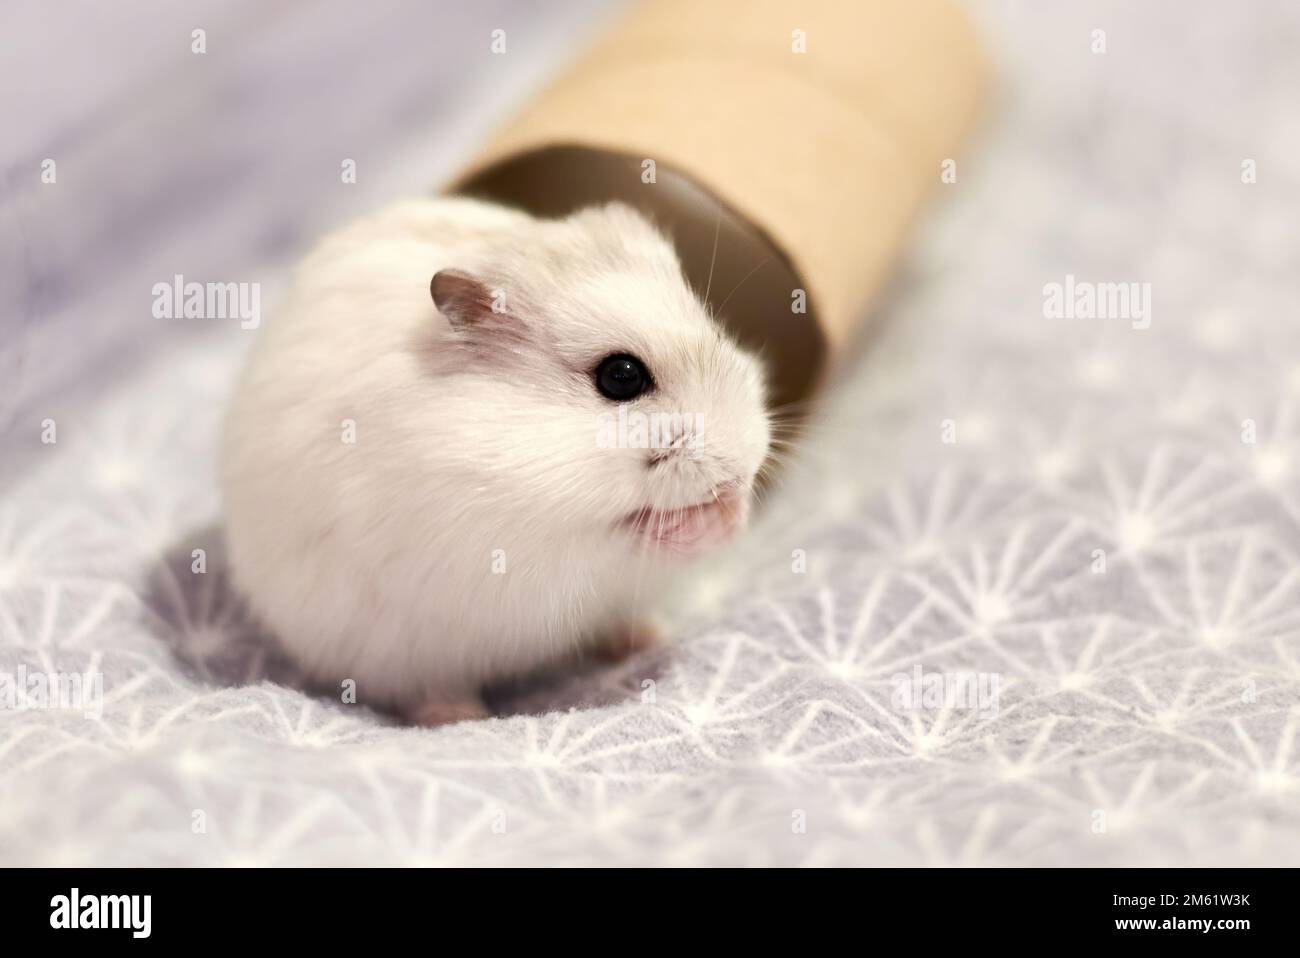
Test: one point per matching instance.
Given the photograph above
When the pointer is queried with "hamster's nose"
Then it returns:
(685, 442)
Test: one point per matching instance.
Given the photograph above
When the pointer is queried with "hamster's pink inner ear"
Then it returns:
(462, 298)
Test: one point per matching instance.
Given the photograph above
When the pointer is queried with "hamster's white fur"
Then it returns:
(475, 527)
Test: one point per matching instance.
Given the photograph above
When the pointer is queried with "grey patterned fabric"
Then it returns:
(1095, 523)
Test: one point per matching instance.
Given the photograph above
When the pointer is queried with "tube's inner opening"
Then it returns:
(753, 284)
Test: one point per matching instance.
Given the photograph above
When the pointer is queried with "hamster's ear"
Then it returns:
(476, 312)
(460, 297)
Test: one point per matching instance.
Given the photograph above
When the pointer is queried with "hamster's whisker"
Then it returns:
(799, 405)
(713, 261)
(803, 421)
(742, 283)
(779, 449)
(817, 431)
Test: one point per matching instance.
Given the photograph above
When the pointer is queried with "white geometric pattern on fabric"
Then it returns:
(1148, 714)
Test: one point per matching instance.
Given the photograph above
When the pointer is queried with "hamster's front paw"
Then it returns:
(626, 641)
(447, 712)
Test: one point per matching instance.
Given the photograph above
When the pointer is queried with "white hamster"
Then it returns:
(471, 441)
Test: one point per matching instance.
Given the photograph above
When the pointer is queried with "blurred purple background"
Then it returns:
(222, 166)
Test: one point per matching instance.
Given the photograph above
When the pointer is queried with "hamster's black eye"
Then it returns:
(621, 378)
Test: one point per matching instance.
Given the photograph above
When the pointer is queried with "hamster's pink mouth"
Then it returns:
(690, 530)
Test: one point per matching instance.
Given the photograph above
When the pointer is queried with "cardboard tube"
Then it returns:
(802, 135)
